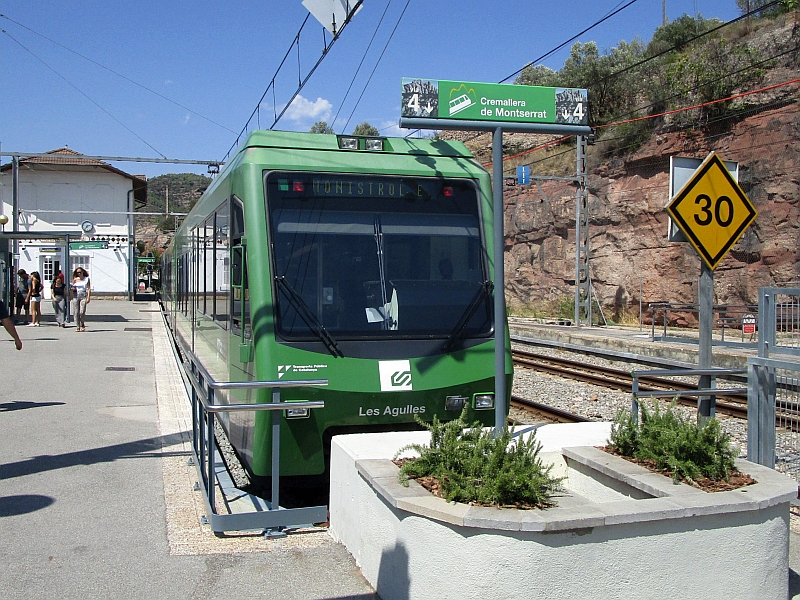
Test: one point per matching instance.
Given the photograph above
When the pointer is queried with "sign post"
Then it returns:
(458, 105)
(713, 212)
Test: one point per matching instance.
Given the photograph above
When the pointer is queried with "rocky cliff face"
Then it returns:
(628, 223)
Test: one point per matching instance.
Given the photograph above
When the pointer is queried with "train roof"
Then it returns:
(323, 141)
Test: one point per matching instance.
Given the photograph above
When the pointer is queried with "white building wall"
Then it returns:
(61, 197)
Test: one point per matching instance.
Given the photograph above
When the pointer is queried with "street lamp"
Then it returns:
(3, 221)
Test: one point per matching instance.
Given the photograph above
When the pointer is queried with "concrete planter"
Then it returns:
(619, 531)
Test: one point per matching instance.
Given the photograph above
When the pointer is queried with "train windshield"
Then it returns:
(379, 257)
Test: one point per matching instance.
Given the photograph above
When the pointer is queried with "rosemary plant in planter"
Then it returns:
(668, 442)
(471, 465)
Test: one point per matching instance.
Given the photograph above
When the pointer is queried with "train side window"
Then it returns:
(240, 297)
(222, 263)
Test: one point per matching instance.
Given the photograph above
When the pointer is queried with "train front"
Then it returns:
(381, 284)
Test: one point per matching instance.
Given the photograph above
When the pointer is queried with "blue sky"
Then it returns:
(215, 59)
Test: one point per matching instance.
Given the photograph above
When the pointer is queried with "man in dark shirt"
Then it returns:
(22, 301)
(5, 319)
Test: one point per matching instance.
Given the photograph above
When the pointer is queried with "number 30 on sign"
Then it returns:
(712, 210)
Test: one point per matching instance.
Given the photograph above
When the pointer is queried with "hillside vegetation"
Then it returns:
(698, 86)
(181, 191)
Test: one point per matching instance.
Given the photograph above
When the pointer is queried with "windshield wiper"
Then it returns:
(310, 319)
(484, 291)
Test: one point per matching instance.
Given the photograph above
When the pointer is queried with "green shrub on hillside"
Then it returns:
(472, 465)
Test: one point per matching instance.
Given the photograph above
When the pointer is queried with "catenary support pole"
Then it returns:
(705, 404)
(499, 284)
(15, 208)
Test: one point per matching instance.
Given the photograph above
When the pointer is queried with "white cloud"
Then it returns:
(168, 82)
(186, 119)
(303, 109)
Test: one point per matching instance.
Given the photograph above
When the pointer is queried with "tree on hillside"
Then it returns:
(677, 33)
(713, 71)
(748, 5)
(365, 129)
(321, 127)
(610, 94)
(538, 75)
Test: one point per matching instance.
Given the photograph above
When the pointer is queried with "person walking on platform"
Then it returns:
(81, 294)
(8, 323)
(35, 299)
(58, 294)
(21, 299)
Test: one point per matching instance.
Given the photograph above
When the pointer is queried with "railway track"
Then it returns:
(546, 413)
(734, 404)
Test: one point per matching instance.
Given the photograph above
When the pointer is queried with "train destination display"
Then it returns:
(443, 99)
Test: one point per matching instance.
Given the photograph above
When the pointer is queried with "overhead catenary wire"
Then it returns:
(669, 112)
(550, 52)
(363, 58)
(84, 94)
(391, 35)
(301, 81)
(618, 120)
(120, 75)
(573, 38)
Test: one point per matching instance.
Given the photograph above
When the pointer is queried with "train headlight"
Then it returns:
(348, 143)
(483, 401)
(297, 413)
(374, 144)
(455, 403)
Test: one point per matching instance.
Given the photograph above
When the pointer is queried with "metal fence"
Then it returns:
(267, 516)
(773, 397)
(773, 414)
(778, 321)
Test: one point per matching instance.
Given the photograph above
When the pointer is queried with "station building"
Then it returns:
(70, 211)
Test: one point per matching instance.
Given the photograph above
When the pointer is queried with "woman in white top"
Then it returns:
(81, 292)
(35, 298)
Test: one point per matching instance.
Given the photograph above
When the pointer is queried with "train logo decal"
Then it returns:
(284, 369)
(395, 375)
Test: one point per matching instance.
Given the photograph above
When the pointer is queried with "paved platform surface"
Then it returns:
(96, 497)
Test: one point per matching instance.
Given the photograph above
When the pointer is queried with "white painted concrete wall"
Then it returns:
(90, 194)
(406, 556)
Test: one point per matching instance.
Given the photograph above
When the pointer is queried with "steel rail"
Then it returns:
(620, 380)
(561, 416)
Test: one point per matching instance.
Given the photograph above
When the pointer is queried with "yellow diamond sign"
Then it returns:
(712, 210)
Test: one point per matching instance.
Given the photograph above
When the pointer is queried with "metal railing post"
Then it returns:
(754, 432)
(761, 395)
(276, 450)
(635, 399)
(766, 323)
(210, 450)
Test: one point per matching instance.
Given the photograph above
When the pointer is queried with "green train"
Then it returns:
(360, 260)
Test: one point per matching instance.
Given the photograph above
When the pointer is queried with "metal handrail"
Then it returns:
(202, 386)
(711, 391)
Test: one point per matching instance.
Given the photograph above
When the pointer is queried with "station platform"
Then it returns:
(96, 493)
(679, 344)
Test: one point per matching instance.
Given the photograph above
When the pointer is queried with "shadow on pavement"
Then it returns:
(24, 405)
(150, 448)
(23, 504)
